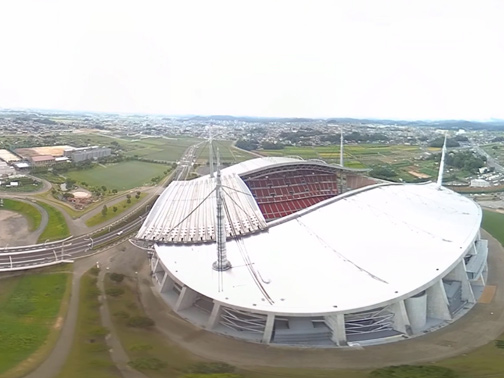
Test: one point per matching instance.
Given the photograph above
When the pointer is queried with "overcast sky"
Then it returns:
(386, 59)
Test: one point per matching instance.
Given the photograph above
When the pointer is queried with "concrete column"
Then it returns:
(459, 273)
(186, 299)
(166, 283)
(154, 262)
(336, 323)
(268, 329)
(401, 319)
(437, 302)
(416, 308)
(214, 316)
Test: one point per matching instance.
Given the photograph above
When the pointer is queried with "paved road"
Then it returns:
(483, 324)
(491, 162)
(19, 258)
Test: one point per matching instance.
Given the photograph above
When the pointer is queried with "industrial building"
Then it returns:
(87, 153)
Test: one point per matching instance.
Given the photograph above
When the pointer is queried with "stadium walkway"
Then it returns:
(483, 324)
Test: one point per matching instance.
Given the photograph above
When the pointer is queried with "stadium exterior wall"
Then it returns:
(429, 307)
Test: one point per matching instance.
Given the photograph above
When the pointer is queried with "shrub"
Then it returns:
(121, 314)
(114, 291)
(117, 277)
(147, 363)
(94, 271)
(210, 368)
(140, 322)
(98, 331)
(217, 375)
(141, 347)
(411, 371)
(499, 344)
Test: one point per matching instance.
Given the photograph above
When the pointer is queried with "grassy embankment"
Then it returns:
(30, 212)
(89, 355)
(32, 309)
(56, 228)
(121, 206)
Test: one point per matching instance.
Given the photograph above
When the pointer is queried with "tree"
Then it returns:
(114, 191)
(138, 193)
(70, 183)
(137, 196)
(104, 210)
(104, 188)
(128, 196)
(114, 209)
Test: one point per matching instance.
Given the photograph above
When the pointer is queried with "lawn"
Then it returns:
(56, 228)
(121, 207)
(121, 176)
(30, 212)
(89, 355)
(29, 308)
(493, 222)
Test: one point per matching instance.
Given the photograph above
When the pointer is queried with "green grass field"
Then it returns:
(89, 355)
(56, 228)
(121, 207)
(29, 308)
(121, 176)
(30, 212)
(165, 149)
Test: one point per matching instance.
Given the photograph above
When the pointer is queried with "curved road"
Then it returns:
(44, 254)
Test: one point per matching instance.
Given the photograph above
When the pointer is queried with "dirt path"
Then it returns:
(483, 324)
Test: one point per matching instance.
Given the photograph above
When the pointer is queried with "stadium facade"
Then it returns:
(318, 254)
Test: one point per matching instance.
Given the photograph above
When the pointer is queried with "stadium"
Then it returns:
(300, 252)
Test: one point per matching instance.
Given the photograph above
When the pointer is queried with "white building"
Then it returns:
(480, 183)
(320, 255)
(6, 170)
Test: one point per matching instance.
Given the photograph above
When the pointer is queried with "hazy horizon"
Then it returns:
(417, 60)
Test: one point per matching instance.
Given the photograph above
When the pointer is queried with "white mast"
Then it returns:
(341, 149)
(210, 147)
(441, 166)
(222, 262)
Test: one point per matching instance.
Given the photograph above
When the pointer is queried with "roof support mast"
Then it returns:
(222, 263)
(441, 166)
(210, 148)
(341, 148)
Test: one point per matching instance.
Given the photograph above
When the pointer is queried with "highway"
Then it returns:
(46, 254)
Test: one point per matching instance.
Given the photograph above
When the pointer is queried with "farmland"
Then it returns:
(227, 153)
(120, 176)
(403, 159)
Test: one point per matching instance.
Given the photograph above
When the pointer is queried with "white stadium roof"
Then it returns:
(186, 211)
(353, 252)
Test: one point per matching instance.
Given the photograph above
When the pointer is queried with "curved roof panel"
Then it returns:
(366, 248)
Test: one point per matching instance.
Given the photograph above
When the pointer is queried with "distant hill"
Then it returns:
(442, 124)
